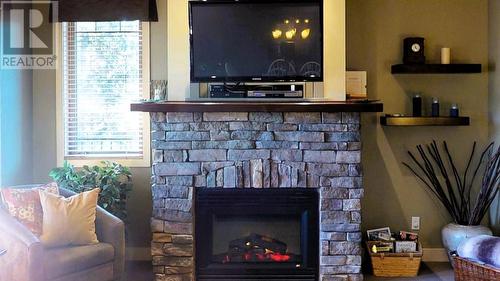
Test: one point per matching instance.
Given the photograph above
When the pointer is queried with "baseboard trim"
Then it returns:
(138, 253)
(434, 255)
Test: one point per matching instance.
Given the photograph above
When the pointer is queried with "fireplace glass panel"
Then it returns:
(256, 239)
(257, 234)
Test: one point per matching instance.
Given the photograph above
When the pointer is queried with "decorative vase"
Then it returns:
(453, 234)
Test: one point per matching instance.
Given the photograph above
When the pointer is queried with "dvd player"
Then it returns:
(274, 94)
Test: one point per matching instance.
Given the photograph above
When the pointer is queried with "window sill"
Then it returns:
(127, 162)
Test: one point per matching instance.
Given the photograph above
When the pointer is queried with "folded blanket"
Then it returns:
(482, 248)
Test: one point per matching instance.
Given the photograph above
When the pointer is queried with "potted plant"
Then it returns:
(466, 199)
(113, 179)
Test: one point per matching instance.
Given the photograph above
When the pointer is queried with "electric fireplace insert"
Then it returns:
(257, 234)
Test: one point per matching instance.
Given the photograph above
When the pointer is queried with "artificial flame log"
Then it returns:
(257, 241)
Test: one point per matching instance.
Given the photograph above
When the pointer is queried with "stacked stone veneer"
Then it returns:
(256, 150)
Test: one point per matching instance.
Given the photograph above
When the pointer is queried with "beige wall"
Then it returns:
(375, 29)
(494, 82)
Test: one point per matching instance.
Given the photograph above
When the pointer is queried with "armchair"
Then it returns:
(27, 259)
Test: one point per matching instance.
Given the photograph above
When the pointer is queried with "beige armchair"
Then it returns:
(26, 258)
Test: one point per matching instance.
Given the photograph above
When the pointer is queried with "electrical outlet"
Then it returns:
(415, 223)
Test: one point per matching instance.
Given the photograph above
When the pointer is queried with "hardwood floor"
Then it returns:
(139, 271)
(142, 271)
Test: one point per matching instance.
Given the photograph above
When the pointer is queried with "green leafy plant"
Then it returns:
(466, 200)
(113, 179)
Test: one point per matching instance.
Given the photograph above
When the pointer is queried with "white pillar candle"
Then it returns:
(445, 56)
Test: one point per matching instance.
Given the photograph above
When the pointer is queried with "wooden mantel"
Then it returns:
(258, 106)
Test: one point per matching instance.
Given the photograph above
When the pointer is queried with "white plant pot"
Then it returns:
(453, 234)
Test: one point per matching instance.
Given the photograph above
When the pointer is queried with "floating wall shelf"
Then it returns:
(424, 121)
(435, 68)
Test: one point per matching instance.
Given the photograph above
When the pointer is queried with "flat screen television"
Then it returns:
(253, 41)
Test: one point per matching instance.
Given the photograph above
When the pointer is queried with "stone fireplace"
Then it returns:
(258, 151)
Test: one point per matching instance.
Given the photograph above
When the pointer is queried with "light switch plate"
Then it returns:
(415, 223)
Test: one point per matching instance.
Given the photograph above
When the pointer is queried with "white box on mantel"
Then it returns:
(355, 82)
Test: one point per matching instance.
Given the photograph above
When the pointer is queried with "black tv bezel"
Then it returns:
(234, 79)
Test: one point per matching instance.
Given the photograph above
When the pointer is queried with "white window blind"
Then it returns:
(102, 74)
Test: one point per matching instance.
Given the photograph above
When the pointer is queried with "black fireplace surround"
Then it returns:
(257, 234)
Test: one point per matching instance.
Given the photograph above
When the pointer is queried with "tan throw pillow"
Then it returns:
(69, 221)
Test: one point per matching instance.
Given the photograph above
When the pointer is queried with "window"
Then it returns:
(104, 67)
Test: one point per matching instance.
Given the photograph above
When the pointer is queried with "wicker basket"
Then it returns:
(395, 264)
(466, 270)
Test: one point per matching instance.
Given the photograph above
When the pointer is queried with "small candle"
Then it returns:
(445, 55)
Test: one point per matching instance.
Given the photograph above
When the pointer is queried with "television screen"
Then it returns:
(256, 41)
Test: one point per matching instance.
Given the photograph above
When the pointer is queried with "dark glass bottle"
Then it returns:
(417, 106)
(454, 112)
(435, 107)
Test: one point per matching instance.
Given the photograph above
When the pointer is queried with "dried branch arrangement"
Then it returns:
(455, 190)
